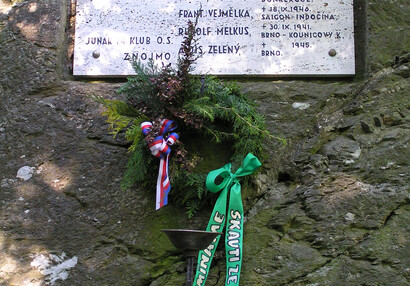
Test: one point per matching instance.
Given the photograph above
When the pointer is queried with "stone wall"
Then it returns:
(331, 208)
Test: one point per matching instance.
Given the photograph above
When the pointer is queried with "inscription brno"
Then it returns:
(236, 37)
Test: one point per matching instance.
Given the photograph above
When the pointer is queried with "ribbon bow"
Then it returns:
(160, 148)
(234, 225)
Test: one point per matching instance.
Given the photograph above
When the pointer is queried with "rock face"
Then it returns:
(331, 208)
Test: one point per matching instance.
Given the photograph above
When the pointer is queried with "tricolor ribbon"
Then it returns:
(234, 225)
(160, 148)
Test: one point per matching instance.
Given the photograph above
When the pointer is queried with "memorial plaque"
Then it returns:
(235, 37)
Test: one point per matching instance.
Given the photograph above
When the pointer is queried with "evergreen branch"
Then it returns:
(122, 116)
(218, 135)
(137, 167)
(134, 134)
(118, 106)
(201, 107)
(250, 125)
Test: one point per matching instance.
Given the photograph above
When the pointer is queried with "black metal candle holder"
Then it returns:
(190, 241)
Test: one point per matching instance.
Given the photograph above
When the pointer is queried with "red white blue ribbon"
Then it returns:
(160, 148)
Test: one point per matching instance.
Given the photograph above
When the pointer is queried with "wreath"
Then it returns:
(200, 106)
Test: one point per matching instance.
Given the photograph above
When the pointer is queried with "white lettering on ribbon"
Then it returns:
(206, 255)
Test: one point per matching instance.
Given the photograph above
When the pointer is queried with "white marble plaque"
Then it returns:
(236, 37)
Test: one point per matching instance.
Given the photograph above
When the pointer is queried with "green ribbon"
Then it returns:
(234, 225)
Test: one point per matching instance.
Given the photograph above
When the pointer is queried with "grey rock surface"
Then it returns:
(330, 208)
